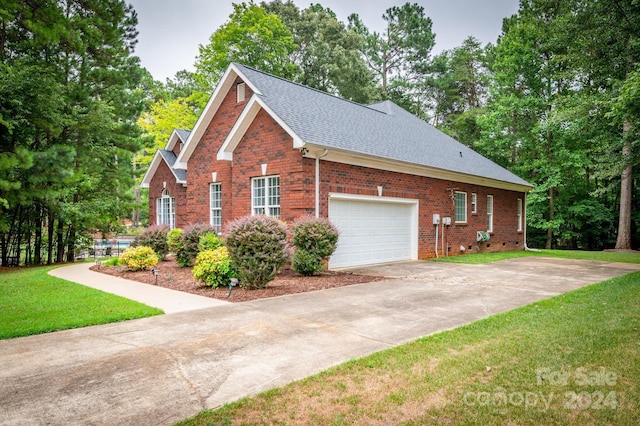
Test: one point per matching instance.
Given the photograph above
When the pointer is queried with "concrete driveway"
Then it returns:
(163, 369)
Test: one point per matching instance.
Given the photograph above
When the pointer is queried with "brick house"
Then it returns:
(396, 187)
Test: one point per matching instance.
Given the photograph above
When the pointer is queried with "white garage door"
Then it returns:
(372, 231)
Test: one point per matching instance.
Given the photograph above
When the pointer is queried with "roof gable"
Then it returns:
(170, 159)
(178, 135)
(221, 90)
(381, 132)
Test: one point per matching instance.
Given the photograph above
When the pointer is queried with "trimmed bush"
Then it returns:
(173, 239)
(315, 240)
(258, 249)
(306, 263)
(209, 241)
(154, 237)
(213, 267)
(189, 240)
(139, 258)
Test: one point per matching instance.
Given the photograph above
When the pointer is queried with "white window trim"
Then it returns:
(266, 206)
(519, 214)
(474, 203)
(171, 204)
(218, 208)
(456, 205)
(489, 213)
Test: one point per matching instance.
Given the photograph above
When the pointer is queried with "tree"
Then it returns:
(253, 37)
(610, 60)
(400, 56)
(459, 87)
(328, 54)
(68, 108)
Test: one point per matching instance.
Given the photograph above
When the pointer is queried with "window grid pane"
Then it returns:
(258, 193)
(489, 213)
(461, 206)
(165, 211)
(519, 214)
(216, 205)
(266, 196)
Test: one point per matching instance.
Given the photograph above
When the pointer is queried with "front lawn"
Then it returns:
(570, 360)
(601, 256)
(34, 302)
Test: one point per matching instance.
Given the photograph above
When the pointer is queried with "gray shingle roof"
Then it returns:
(183, 134)
(382, 130)
(170, 158)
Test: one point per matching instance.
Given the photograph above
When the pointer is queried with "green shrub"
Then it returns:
(258, 249)
(173, 239)
(306, 263)
(314, 240)
(139, 258)
(209, 241)
(189, 240)
(154, 237)
(114, 261)
(213, 267)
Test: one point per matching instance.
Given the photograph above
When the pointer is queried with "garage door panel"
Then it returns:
(372, 231)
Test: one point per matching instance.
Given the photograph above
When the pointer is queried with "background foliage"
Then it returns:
(555, 100)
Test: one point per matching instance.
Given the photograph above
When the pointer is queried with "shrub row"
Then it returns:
(256, 249)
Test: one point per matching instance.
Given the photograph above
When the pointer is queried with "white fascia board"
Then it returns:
(173, 139)
(297, 140)
(411, 169)
(226, 82)
(241, 126)
(146, 180)
(239, 129)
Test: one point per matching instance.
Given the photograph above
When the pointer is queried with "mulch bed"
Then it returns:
(286, 282)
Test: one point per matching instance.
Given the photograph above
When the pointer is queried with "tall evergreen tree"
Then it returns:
(68, 108)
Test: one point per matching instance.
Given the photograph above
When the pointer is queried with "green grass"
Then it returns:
(33, 302)
(570, 360)
(602, 256)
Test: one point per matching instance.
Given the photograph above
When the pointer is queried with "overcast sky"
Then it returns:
(170, 31)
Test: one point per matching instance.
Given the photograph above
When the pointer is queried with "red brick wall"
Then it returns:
(265, 142)
(163, 174)
(434, 196)
(203, 161)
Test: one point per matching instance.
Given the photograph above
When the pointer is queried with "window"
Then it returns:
(474, 202)
(215, 202)
(266, 196)
(489, 213)
(240, 92)
(519, 214)
(461, 207)
(166, 210)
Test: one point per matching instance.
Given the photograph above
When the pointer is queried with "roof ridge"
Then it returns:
(312, 88)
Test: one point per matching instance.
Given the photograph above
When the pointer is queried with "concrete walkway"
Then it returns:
(159, 370)
(170, 301)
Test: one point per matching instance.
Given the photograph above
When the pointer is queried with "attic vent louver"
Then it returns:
(240, 92)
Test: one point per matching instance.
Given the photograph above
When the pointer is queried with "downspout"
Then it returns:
(524, 230)
(318, 157)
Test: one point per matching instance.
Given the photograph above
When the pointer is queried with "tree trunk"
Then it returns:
(623, 241)
(50, 222)
(60, 242)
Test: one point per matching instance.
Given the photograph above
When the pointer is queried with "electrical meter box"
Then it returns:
(446, 221)
(436, 219)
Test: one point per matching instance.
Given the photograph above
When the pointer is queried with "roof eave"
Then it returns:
(363, 160)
